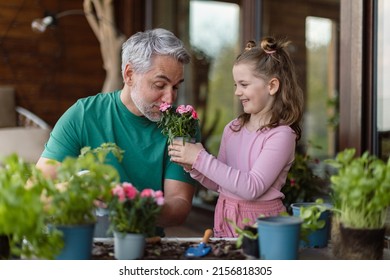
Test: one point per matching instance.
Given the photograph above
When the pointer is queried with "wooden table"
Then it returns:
(220, 247)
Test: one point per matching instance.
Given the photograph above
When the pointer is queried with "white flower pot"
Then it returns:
(128, 246)
(186, 139)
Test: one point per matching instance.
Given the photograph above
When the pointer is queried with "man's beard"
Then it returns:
(145, 109)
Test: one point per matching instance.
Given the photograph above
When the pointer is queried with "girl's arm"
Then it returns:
(276, 156)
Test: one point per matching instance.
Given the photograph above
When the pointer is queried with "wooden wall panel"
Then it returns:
(44, 67)
(51, 70)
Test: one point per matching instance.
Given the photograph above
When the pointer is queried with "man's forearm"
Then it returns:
(174, 212)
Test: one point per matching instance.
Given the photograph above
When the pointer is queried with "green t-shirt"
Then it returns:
(104, 118)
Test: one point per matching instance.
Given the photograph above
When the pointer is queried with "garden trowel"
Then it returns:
(202, 249)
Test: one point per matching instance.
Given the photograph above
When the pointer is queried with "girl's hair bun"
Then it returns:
(251, 44)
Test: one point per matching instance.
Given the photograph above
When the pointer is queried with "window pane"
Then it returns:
(383, 83)
(321, 104)
(214, 39)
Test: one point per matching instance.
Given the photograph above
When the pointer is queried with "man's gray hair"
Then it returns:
(140, 48)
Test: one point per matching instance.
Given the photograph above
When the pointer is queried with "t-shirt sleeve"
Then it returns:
(65, 137)
(176, 172)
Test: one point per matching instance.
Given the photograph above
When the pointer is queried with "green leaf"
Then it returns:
(360, 188)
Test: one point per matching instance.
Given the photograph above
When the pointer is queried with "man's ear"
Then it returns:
(273, 86)
(128, 74)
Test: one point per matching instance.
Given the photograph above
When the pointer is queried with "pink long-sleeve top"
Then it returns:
(250, 165)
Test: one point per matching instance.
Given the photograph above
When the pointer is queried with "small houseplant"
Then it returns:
(133, 215)
(311, 216)
(247, 237)
(84, 180)
(182, 121)
(361, 193)
(22, 212)
(316, 217)
(303, 184)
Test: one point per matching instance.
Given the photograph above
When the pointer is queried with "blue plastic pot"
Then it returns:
(78, 242)
(279, 237)
(320, 237)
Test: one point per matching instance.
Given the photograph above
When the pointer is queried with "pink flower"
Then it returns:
(184, 109)
(158, 194)
(165, 106)
(178, 122)
(119, 192)
(194, 115)
(129, 190)
(189, 108)
(159, 197)
(147, 193)
(135, 211)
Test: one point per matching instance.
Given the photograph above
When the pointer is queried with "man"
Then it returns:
(152, 69)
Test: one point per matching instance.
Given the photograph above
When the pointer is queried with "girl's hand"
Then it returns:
(184, 155)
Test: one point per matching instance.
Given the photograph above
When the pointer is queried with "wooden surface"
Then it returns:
(304, 253)
(51, 70)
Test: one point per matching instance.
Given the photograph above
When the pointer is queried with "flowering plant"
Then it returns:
(133, 211)
(180, 122)
(303, 184)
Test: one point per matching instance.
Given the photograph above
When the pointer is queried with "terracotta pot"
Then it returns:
(360, 244)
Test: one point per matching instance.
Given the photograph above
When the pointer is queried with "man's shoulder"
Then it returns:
(99, 97)
(97, 101)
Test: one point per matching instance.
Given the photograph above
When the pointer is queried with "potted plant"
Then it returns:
(279, 237)
(83, 181)
(314, 228)
(22, 213)
(247, 237)
(133, 217)
(316, 217)
(303, 184)
(361, 192)
(182, 122)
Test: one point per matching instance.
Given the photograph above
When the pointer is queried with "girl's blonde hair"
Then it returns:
(271, 60)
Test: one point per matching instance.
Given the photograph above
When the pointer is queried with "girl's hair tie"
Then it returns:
(270, 52)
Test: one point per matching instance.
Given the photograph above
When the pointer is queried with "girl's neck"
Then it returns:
(257, 121)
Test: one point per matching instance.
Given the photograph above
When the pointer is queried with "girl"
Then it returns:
(257, 148)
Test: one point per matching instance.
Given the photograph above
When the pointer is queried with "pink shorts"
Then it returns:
(238, 210)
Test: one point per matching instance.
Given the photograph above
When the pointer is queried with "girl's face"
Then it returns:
(256, 94)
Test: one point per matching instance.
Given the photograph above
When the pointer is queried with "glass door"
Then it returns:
(382, 80)
(214, 42)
